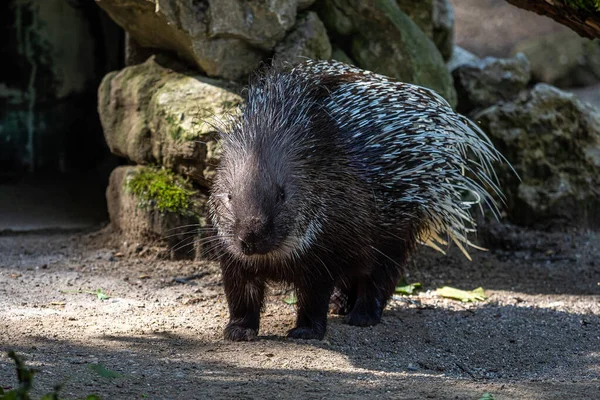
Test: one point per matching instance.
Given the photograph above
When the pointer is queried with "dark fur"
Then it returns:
(287, 169)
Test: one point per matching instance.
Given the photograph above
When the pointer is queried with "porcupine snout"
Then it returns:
(254, 235)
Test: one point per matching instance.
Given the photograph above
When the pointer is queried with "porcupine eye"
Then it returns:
(281, 195)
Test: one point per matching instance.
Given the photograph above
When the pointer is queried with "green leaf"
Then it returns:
(103, 371)
(462, 295)
(487, 396)
(101, 295)
(291, 298)
(408, 289)
(93, 397)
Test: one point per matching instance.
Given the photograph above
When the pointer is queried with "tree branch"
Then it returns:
(585, 23)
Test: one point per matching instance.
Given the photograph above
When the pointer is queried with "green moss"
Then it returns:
(162, 189)
(176, 131)
(586, 5)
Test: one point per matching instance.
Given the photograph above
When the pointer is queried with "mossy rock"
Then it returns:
(380, 37)
(162, 190)
(436, 20)
(152, 114)
(151, 206)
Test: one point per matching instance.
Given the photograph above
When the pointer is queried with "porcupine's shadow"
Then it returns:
(540, 319)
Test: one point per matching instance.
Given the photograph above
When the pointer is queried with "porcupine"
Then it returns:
(330, 176)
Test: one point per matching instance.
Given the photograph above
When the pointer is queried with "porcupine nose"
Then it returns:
(253, 237)
(248, 243)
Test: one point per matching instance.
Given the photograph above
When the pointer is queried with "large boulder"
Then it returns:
(564, 59)
(340, 55)
(224, 38)
(380, 37)
(308, 39)
(553, 142)
(149, 206)
(482, 83)
(259, 23)
(436, 20)
(154, 115)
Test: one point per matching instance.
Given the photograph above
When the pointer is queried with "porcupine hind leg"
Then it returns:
(313, 304)
(373, 292)
(245, 296)
(343, 297)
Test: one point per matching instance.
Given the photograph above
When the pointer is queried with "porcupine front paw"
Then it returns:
(239, 333)
(306, 333)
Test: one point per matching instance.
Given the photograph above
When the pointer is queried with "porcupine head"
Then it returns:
(283, 182)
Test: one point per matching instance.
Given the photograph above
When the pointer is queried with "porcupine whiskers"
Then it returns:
(330, 177)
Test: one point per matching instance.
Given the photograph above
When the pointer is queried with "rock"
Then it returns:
(564, 59)
(436, 20)
(308, 39)
(156, 208)
(553, 142)
(480, 84)
(590, 95)
(155, 115)
(380, 37)
(460, 57)
(224, 38)
(134, 53)
(259, 23)
(443, 27)
(304, 4)
(340, 55)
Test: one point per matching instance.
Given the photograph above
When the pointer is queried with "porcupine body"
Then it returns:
(329, 178)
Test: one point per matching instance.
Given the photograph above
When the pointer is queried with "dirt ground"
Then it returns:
(536, 337)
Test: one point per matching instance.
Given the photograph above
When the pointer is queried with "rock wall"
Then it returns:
(229, 39)
(189, 59)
